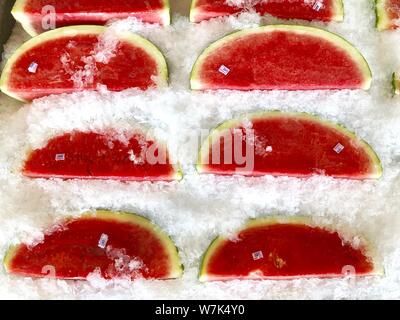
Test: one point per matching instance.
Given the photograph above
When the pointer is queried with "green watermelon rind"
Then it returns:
(338, 11)
(193, 11)
(376, 170)
(176, 270)
(203, 276)
(383, 21)
(166, 13)
(396, 83)
(20, 15)
(338, 41)
(134, 39)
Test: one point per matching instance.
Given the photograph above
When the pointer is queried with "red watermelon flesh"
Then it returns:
(273, 250)
(117, 245)
(31, 13)
(90, 155)
(287, 144)
(388, 14)
(282, 58)
(393, 9)
(66, 63)
(323, 10)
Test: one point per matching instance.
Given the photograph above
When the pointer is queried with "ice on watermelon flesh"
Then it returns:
(283, 58)
(82, 58)
(277, 250)
(323, 10)
(116, 245)
(35, 15)
(92, 155)
(388, 14)
(288, 144)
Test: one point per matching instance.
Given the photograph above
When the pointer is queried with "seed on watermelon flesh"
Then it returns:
(35, 15)
(275, 249)
(80, 58)
(287, 144)
(91, 155)
(387, 14)
(282, 58)
(114, 244)
(323, 10)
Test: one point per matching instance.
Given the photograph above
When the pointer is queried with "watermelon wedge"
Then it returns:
(387, 14)
(35, 15)
(116, 244)
(288, 144)
(283, 58)
(396, 83)
(276, 248)
(91, 155)
(80, 58)
(323, 10)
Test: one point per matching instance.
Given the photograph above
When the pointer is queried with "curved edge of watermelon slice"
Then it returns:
(122, 217)
(218, 241)
(19, 14)
(230, 124)
(396, 83)
(358, 58)
(166, 13)
(193, 11)
(23, 18)
(338, 11)
(132, 38)
(383, 21)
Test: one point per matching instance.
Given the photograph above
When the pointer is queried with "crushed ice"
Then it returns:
(199, 208)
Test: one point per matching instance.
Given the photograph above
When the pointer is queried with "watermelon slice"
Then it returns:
(282, 57)
(387, 14)
(276, 249)
(80, 58)
(35, 15)
(323, 10)
(91, 155)
(116, 244)
(396, 83)
(289, 144)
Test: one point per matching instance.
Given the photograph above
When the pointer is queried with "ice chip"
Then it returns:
(132, 156)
